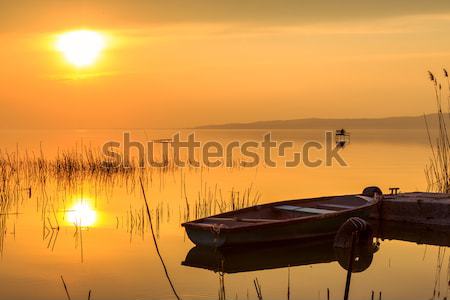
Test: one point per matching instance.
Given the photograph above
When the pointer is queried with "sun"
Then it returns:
(81, 214)
(81, 48)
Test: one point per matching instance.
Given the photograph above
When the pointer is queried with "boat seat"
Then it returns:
(309, 210)
(336, 205)
(249, 220)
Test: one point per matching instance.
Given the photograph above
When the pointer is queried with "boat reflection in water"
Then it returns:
(254, 258)
(309, 252)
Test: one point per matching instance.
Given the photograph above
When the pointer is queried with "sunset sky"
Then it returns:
(192, 62)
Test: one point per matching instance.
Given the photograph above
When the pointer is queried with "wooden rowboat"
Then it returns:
(281, 221)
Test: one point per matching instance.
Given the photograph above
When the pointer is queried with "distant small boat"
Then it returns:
(281, 221)
(342, 137)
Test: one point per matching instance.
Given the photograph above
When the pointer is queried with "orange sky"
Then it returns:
(187, 63)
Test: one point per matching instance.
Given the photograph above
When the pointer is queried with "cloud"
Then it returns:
(47, 15)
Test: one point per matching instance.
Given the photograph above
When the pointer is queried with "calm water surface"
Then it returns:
(112, 252)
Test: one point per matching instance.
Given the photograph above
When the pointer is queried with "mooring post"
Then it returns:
(394, 190)
(350, 265)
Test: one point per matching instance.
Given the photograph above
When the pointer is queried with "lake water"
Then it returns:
(111, 253)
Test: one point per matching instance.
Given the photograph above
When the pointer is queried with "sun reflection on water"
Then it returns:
(82, 214)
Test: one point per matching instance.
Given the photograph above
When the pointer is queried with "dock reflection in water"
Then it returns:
(434, 235)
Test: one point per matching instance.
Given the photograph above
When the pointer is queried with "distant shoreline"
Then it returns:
(414, 122)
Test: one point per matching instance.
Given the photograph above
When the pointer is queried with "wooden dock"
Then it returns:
(418, 208)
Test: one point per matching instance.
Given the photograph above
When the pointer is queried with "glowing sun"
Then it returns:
(81, 214)
(81, 48)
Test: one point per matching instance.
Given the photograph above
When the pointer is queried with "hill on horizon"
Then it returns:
(405, 122)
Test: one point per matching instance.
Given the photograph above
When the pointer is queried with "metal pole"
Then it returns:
(350, 266)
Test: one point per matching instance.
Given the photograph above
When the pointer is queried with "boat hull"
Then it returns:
(294, 230)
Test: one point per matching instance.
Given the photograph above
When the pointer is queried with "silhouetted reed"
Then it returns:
(65, 288)
(438, 272)
(258, 289)
(155, 242)
(50, 180)
(437, 170)
(211, 201)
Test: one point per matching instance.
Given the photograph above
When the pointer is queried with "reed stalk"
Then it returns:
(65, 288)
(437, 170)
(258, 289)
(155, 242)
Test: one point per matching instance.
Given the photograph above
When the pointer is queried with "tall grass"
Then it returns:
(211, 200)
(437, 169)
(32, 176)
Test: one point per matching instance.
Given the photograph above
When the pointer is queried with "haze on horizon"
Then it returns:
(195, 62)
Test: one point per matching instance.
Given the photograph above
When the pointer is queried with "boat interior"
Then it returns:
(286, 210)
